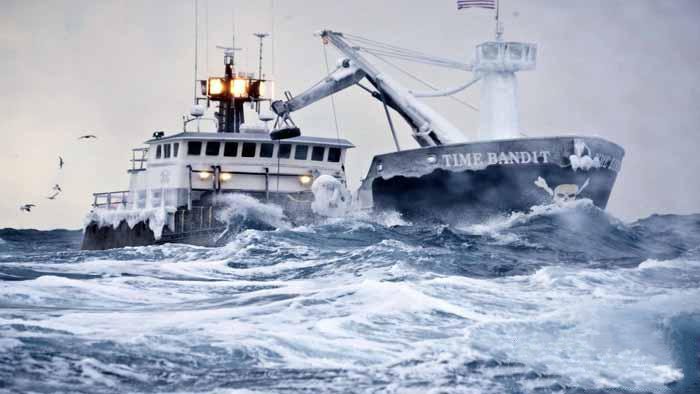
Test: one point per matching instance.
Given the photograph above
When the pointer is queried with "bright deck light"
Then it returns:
(225, 176)
(305, 179)
(216, 86)
(204, 175)
(239, 88)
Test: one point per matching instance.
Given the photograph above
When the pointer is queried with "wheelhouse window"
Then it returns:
(334, 155)
(266, 150)
(284, 151)
(301, 152)
(194, 148)
(317, 153)
(231, 149)
(159, 151)
(213, 148)
(248, 149)
(176, 148)
(166, 151)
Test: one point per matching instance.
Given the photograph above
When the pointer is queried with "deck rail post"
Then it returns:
(189, 187)
(267, 183)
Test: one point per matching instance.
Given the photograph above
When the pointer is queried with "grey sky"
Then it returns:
(624, 70)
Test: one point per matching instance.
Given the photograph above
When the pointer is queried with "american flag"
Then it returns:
(490, 4)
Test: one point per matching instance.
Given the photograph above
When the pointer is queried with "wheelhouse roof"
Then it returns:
(250, 137)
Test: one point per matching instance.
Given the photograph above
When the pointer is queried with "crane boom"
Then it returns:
(429, 127)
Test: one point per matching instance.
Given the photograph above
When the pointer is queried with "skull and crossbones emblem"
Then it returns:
(562, 193)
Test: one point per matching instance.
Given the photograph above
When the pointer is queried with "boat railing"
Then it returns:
(197, 218)
(111, 200)
(139, 157)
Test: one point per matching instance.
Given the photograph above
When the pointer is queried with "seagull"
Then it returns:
(57, 188)
(87, 137)
(60, 163)
(26, 207)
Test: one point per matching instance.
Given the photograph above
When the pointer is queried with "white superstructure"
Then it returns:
(189, 168)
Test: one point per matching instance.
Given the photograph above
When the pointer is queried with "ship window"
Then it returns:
(166, 151)
(231, 149)
(194, 148)
(284, 151)
(301, 152)
(213, 148)
(248, 149)
(158, 151)
(266, 150)
(317, 153)
(334, 155)
(176, 148)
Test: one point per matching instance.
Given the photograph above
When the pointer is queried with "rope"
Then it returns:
(427, 84)
(335, 116)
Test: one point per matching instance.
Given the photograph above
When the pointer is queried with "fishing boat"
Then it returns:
(449, 177)
(183, 185)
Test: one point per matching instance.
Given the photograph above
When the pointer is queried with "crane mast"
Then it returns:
(429, 127)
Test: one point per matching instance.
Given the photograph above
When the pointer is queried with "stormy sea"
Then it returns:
(555, 300)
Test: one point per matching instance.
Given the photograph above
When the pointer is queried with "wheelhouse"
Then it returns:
(189, 168)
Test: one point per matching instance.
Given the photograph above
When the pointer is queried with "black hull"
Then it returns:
(108, 237)
(449, 196)
(449, 184)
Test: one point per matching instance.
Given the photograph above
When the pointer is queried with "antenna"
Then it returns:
(196, 41)
(228, 54)
(261, 36)
(499, 27)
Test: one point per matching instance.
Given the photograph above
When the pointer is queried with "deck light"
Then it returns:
(305, 180)
(225, 176)
(257, 88)
(216, 86)
(239, 88)
(204, 175)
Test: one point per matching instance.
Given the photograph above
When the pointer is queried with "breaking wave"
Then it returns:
(559, 299)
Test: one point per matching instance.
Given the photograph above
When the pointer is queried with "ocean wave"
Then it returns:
(362, 304)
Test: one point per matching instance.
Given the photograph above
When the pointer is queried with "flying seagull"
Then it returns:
(57, 188)
(26, 207)
(60, 163)
(87, 137)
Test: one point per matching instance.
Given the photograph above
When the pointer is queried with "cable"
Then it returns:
(335, 116)
(425, 83)
(377, 47)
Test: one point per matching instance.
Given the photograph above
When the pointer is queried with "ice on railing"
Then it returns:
(581, 159)
(157, 218)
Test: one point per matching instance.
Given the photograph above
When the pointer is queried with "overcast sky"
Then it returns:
(623, 70)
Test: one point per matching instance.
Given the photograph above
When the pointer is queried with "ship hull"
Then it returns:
(206, 225)
(469, 181)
